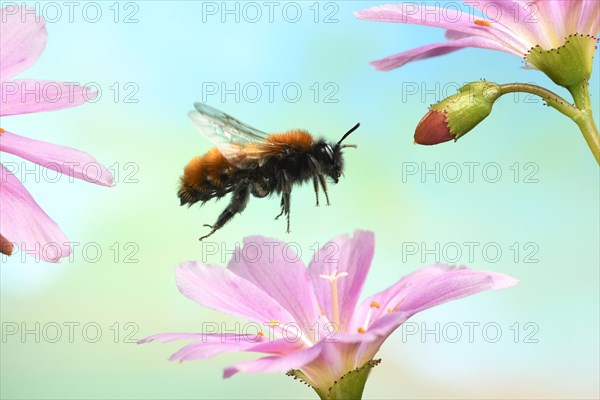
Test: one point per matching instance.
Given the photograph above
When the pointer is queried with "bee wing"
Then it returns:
(241, 144)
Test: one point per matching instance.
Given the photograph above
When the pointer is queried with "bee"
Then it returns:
(247, 161)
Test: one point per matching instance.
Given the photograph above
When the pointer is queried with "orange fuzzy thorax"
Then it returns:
(298, 139)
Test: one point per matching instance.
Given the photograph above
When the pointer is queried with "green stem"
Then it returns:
(553, 100)
(585, 121)
(581, 114)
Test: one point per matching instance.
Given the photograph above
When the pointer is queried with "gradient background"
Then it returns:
(168, 54)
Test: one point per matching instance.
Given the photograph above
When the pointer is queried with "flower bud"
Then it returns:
(458, 114)
(569, 64)
(6, 247)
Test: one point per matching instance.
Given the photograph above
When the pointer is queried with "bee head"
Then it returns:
(329, 156)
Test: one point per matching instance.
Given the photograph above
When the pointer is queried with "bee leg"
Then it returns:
(316, 186)
(286, 197)
(282, 209)
(238, 202)
(324, 186)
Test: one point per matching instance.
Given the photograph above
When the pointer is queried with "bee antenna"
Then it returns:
(348, 133)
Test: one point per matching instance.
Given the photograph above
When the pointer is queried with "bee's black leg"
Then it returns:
(238, 202)
(316, 186)
(324, 186)
(286, 197)
(282, 209)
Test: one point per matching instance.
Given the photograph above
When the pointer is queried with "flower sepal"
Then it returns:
(569, 64)
(456, 115)
(350, 386)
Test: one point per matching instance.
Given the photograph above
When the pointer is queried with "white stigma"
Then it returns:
(334, 294)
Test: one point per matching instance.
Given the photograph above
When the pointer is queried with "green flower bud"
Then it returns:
(569, 64)
(458, 114)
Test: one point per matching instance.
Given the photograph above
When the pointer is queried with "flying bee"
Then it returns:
(247, 161)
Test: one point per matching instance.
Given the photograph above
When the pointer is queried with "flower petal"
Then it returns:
(274, 267)
(278, 346)
(26, 96)
(211, 345)
(275, 363)
(26, 225)
(220, 289)
(352, 255)
(170, 337)
(429, 290)
(437, 49)
(64, 160)
(451, 285)
(446, 18)
(22, 39)
(532, 22)
(411, 13)
(589, 21)
(381, 303)
(207, 345)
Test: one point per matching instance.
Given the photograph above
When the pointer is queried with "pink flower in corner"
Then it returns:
(22, 39)
(310, 320)
(513, 26)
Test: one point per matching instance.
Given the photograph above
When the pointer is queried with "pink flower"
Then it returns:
(511, 26)
(311, 319)
(22, 40)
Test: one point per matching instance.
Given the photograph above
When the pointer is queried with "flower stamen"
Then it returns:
(480, 22)
(373, 305)
(334, 294)
(2, 131)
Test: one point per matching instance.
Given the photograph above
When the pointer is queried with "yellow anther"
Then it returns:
(361, 330)
(480, 22)
(260, 333)
(2, 131)
(273, 323)
(375, 304)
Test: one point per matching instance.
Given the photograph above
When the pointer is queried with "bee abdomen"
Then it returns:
(205, 177)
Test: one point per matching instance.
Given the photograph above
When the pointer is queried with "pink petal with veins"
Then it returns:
(23, 37)
(65, 160)
(25, 224)
(25, 96)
